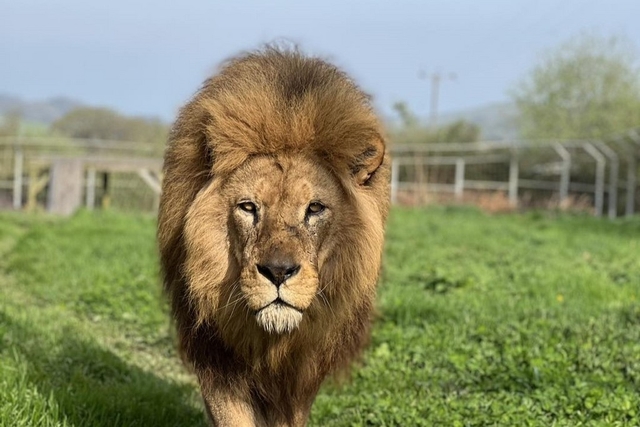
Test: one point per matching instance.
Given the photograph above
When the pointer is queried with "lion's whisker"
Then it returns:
(232, 303)
(238, 298)
(324, 297)
(231, 291)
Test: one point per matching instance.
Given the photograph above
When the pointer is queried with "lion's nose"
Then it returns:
(278, 272)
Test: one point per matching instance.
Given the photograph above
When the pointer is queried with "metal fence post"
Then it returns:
(513, 179)
(91, 188)
(613, 178)
(395, 175)
(632, 173)
(600, 165)
(18, 166)
(565, 174)
(418, 166)
(458, 189)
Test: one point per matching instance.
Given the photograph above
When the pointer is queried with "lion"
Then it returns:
(271, 230)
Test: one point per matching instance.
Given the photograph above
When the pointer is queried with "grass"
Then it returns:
(510, 320)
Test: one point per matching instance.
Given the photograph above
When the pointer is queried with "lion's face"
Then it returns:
(281, 215)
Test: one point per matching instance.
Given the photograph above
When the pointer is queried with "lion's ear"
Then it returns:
(368, 161)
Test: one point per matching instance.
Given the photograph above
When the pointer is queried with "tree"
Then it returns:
(460, 131)
(409, 120)
(412, 131)
(103, 123)
(588, 87)
(11, 122)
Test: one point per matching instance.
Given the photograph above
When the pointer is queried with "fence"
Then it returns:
(61, 173)
(553, 172)
(599, 174)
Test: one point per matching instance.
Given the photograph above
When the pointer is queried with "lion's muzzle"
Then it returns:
(279, 315)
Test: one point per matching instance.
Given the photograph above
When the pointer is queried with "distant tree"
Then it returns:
(103, 123)
(412, 131)
(460, 131)
(91, 123)
(588, 87)
(409, 120)
(10, 123)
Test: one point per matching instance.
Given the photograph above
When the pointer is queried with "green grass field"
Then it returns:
(507, 320)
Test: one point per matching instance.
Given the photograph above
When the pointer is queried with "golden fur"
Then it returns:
(270, 231)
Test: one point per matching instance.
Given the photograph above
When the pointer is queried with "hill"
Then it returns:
(497, 120)
(40, 111)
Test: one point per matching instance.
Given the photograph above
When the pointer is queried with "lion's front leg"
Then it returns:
(234, 408)
(230, 409)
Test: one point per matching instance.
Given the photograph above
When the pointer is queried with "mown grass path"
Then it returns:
(483, 320)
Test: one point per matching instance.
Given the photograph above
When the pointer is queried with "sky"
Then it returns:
(148, 57)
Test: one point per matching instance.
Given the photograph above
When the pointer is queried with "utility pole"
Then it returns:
(436, 78)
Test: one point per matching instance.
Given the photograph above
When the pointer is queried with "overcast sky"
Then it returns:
(147, 57)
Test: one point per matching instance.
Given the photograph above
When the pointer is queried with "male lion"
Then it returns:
(270, 230)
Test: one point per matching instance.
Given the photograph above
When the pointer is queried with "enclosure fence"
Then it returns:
(598, 175)
(60, 174)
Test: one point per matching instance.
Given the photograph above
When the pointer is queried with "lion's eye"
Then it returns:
(315, 208)
(247, 207)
